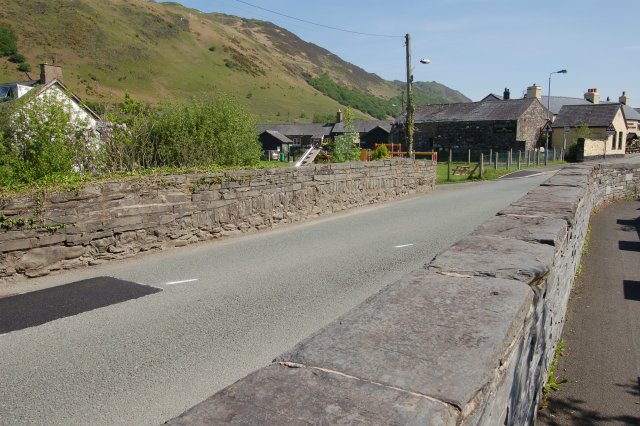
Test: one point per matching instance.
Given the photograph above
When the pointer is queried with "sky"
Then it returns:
(475, 46)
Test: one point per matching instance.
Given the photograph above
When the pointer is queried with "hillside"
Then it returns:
(160, 51)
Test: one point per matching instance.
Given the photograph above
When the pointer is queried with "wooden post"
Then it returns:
(496, 163)
(528, 154)
(449, 166)
(469, 157)
(490, 156)
(519, 158)
(481, 165)
(510, 158)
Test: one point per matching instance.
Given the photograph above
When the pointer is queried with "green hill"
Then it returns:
(158, 51)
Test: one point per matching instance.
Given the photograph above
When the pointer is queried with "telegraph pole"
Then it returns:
(410, 107)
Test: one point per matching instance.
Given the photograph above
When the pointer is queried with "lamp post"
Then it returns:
(546, 144)
(411, 109)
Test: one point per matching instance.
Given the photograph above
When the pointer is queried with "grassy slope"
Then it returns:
(164, 51)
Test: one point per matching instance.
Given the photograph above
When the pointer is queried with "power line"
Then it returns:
(319, 25)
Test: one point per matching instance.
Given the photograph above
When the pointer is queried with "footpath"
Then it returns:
(601, 362)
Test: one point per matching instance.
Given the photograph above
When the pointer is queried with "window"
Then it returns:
(613, 141)
(620, 140)
(296, 141)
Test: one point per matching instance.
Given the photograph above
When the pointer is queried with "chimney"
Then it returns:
(592, 96)
(48, 73)
(624, 100)
(506, 95)
(339, 117)
(534, 91)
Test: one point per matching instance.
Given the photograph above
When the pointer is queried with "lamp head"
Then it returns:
(427, 61)
(561, 72)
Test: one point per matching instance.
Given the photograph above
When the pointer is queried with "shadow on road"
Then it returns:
(570, 411)
(631, 290)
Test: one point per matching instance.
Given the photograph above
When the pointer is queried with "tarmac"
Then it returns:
(601, 362)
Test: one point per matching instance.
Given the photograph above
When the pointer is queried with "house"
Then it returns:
(488, 124)
(50, 84)
(600, 129)
(276, 143)
(371, 132)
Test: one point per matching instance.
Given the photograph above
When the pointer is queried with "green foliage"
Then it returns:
(380, 153)
(372, 105)
(8, 42)
(583, 132)
(24, 67)
(40, 138)
(346, 147)
(323, 118)
(552, 380)
(17, 58)
(200, 133)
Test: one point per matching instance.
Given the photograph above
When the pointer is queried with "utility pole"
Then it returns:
(410, 108)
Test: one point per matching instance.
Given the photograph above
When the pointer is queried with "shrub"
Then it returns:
(8, 42)
(346, 147)
(41, 137)
(24, 67)
(380, 153)
(17, 58)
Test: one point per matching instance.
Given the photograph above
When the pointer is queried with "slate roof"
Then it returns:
(557, 102)
(631, 113)
(598, 115)
(507, 110)
(364, 126)
(491, 97)
(299, 129)
(279, 136)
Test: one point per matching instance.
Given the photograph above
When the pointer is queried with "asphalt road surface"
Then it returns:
(602, 357)
(226, 308)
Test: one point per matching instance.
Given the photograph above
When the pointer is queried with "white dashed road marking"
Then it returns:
(403, 246)
(181, 282)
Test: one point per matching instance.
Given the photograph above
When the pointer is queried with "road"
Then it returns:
(226, 308)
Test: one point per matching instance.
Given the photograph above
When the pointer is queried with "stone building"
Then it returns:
(599, 129)
(488, 124)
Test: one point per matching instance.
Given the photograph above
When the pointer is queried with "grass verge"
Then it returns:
(490, 173)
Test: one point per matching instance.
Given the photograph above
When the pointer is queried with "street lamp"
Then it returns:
(546, 144)
(411, 109)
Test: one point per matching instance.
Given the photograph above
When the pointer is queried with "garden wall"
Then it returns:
(102, 221)
(466, 340)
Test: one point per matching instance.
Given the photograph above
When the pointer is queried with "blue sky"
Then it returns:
(475, 46)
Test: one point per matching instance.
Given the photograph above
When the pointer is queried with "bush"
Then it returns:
(202, 133)
(24, 67)
(41, 137)
(380, 153)
(346, 147)
(8, 42)
(17, 58)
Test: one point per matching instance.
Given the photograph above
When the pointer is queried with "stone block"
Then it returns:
(277, 395)
(12, 245)
(544, 230)
(489, 256)
(439, 336)
(43, 257)
(50, 239)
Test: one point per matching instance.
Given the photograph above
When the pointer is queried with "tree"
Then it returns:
(346, 147)
(8, 42)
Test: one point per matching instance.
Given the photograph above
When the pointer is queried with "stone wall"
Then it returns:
(114, 220)
(466, 340)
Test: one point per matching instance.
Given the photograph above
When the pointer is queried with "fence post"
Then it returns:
(469, 159)
(519, 158)
(490, 156)
(481, 165)
(510, 158)
(528, 155)
(449, 166)
(496, 162)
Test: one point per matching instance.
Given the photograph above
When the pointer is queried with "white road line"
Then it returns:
(403, 246)
(181, 282)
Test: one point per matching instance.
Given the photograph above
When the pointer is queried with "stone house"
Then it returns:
(275, 143)
(605, 126)
(489, 124)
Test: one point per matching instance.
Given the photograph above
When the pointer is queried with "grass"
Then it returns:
(490, 173)
(553, 383)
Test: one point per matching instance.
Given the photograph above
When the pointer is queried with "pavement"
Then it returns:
(601, 362)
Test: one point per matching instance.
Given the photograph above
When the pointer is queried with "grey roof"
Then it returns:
(631, 113)
(491, 97)
(557, 102)
(282, 138)
(298, 129)
(598, 115)
(510, 109)
(364, 126)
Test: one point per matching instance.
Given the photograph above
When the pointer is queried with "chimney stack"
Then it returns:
(506, 95)
(534, 91)
(624, 100)
(48, 73)
(592, 96)
(339, 117)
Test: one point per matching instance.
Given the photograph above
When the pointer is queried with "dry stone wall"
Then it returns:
(465, 341)
(115, 220)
